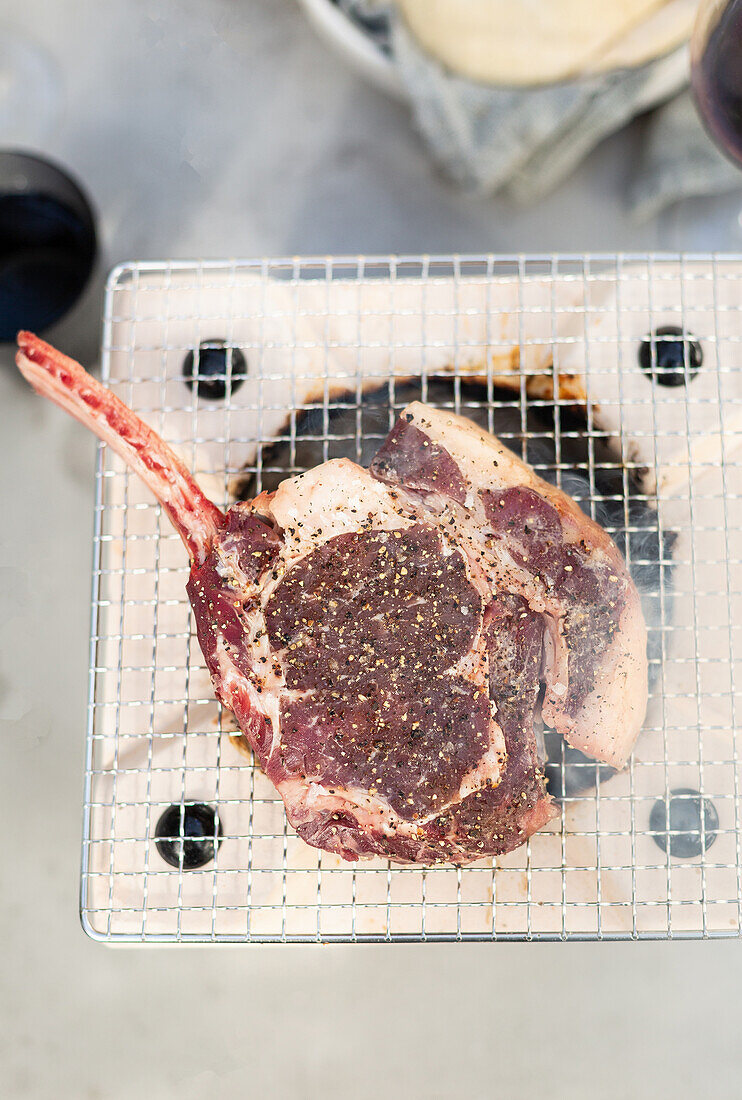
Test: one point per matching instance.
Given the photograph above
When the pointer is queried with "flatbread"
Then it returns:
(527, 42)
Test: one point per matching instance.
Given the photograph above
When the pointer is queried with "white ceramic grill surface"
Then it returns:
(317, 333)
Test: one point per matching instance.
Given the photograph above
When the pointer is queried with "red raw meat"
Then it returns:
(383, 636)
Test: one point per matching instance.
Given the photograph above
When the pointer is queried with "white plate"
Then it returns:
(357, 48)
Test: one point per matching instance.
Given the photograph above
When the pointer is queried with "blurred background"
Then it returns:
(241, 128)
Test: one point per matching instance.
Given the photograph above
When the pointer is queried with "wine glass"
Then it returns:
(47, 242)
(716, 73)
(47, 224)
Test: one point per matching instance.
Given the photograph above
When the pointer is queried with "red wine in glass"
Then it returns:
(716, 73)
(47, 243)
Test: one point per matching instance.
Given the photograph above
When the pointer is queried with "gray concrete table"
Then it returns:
(225, 128)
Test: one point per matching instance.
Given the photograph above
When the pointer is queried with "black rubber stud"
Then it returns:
(664, 353)
(679, 831)
(196, 842)
(206, 371)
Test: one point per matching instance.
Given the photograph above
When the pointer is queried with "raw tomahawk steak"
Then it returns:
(390, 639)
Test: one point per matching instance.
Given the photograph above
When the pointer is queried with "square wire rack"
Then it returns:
(331, 347)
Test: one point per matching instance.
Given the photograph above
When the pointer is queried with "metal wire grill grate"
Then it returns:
(545, 351)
